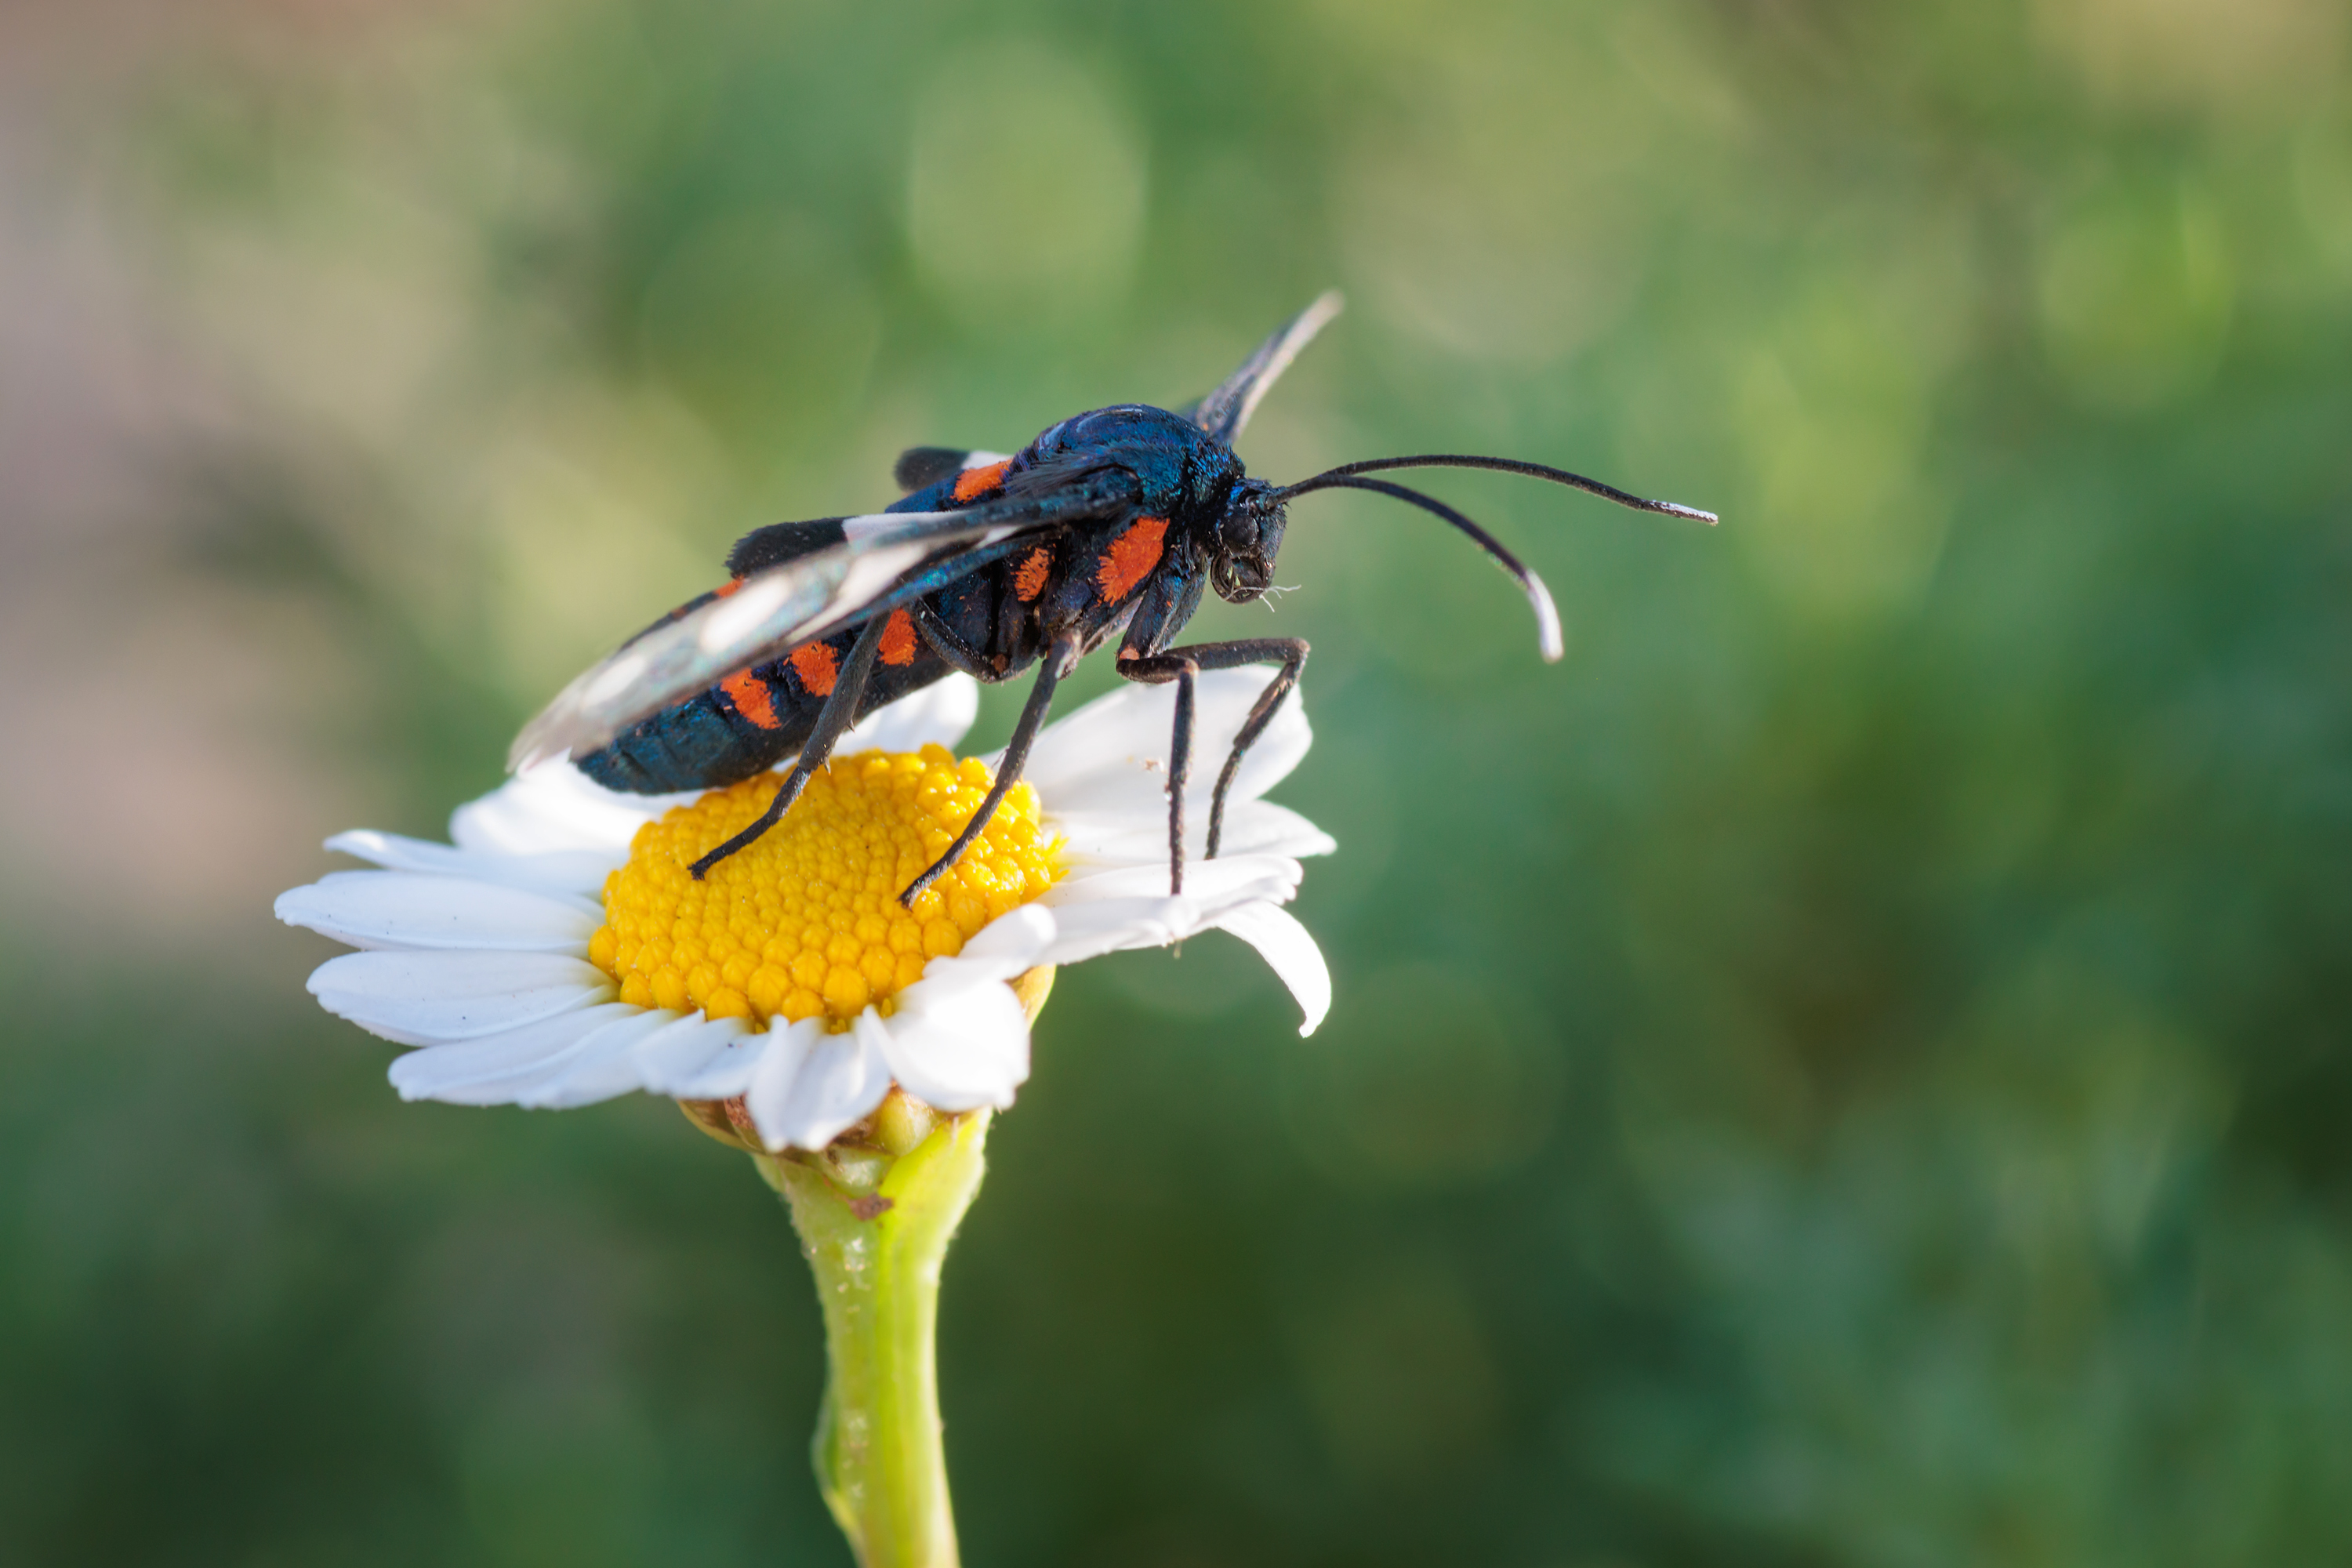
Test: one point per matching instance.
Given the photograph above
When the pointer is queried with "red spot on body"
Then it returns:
(816, 666)
(898, 645)
(1131, 557)
(726, 589)
(1029, 578)
(975, 482)
(750, 695)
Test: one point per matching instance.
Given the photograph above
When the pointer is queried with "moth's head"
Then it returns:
(1249, 535)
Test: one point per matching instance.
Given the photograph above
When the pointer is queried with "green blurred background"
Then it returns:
(1845, 1069)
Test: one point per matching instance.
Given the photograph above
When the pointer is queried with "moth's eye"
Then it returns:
(1239, 534)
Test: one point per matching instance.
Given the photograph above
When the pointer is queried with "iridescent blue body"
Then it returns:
(1139, 566)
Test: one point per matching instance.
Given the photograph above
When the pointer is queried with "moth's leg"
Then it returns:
(1159, 670)
(948, 643)
(840, 710)
(1179, 665)
(1058, 662)
(1292, 652)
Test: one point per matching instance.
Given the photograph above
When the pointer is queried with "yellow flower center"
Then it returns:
(806, 922)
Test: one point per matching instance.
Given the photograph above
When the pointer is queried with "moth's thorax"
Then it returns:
(1185, 474)
(1222, 524)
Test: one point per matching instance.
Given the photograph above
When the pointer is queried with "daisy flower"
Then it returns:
(557, 953)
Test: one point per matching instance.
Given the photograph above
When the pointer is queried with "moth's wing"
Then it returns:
(919, 468)
(792, 602)
(881, 561)
(1224, 411)
(781, 541)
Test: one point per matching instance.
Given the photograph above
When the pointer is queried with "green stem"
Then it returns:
(875, 1249)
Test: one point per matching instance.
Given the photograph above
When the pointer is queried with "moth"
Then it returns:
(1109, 526)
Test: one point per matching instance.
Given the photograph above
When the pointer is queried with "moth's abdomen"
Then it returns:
(756, 718)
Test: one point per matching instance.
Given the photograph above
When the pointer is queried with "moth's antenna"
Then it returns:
(1548, 636)
(1513, 466)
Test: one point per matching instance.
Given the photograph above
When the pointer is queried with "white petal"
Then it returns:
(1216, 884)
(1290, 951)
(694, 1058)
(599, 1067)
(576, 872)
(552, 807)
(1114, 925)
(730, 1069)
(406, 909)
(958, 1047)
(1112, 754)
(1134, 720)
(422, 998)
(842, 1080)
(477, 1072)
(593, 1067)
(1014, 940)
(938, 714)
(1262, 827)
(1113, 911)
(768, 1094)
(1136, 839)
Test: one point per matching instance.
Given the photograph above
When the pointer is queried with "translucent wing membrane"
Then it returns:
(884, 560)
(1224, 411)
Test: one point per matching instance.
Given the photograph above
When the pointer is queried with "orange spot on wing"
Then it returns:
(1029, 579)
(975, 482)
(750, 695)
(729, 588)
(816, 666)
(898, 646)
(1131, 557)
